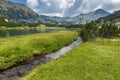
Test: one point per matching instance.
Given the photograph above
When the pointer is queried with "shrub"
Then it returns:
(108, 30)
(89, 31)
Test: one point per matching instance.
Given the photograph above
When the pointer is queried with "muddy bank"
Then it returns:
(19, 71)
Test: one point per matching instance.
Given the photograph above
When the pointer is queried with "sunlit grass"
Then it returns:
(93, 60)
(40, 27)
(17, 49)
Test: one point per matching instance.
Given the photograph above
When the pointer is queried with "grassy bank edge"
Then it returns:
(93, 60)
(23, 48)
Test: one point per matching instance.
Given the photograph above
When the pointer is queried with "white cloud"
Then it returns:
(32, 3)
(85, 6)
(115, 1)
(54, 14)
(48, 4)
(71, 7)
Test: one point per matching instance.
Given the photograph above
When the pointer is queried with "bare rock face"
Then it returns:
(17, 12)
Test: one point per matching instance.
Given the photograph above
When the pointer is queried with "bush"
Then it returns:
(109, 30)
(89, 31)
(92, 30)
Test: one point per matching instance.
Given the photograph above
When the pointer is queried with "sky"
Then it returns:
(69, 8)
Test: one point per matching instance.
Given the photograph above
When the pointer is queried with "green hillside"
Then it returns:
(115, 17)
(5, 22)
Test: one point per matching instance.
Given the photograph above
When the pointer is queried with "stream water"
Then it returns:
(17, 72)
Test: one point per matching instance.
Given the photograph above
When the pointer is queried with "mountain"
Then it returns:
(80, 19)
(114, 17)
(54, 20)
(3, 19)
(20, 13)
(17, 12)
(83, 18)
(5, 22)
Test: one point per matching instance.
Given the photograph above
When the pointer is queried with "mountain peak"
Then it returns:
(114, 17)
(101, 11)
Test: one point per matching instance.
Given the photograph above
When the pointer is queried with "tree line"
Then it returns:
(92, 30)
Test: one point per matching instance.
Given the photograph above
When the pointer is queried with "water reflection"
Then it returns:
(8, 33)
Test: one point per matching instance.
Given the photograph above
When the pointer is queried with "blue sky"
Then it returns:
(19, 1)
(71, 8)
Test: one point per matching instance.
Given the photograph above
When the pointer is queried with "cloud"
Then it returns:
(32, 3)
(71, 7)
(50, 7)
(112, 5)
(48, 4)
(85, 6)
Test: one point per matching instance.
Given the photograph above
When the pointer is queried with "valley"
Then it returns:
(39, 41)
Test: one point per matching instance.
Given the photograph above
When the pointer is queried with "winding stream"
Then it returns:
(17, 72)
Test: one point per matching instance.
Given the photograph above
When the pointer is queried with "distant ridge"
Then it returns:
(90, 16)
(80, 19)
(114, 17)
(20, 13)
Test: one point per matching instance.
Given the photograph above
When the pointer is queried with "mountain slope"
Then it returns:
(20, 13)
(54, 20)
(114, 17)
(83, 18)
(17, 12)
(5, 22)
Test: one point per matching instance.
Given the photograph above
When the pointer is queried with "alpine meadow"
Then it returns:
(59, 40)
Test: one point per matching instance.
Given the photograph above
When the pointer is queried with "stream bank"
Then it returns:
(17, 72)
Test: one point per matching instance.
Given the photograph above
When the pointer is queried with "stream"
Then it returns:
(17, 72)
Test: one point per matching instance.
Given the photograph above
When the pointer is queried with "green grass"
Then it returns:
(14, 50)
(93, 60)
(40, 27)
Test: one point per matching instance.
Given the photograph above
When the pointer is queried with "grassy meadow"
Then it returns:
(92, 60)
(39, 27)
(14, 50)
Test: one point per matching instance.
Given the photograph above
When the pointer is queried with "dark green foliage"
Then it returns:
(83, 34)
(33, 24)
(2, 19)
(76, 26)
(119, 30)
(109, 30)
(62, 25)
(49, 25)
(89, 31)
(92, 30)
(7, 24)
(115, 17)
(10, 24)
